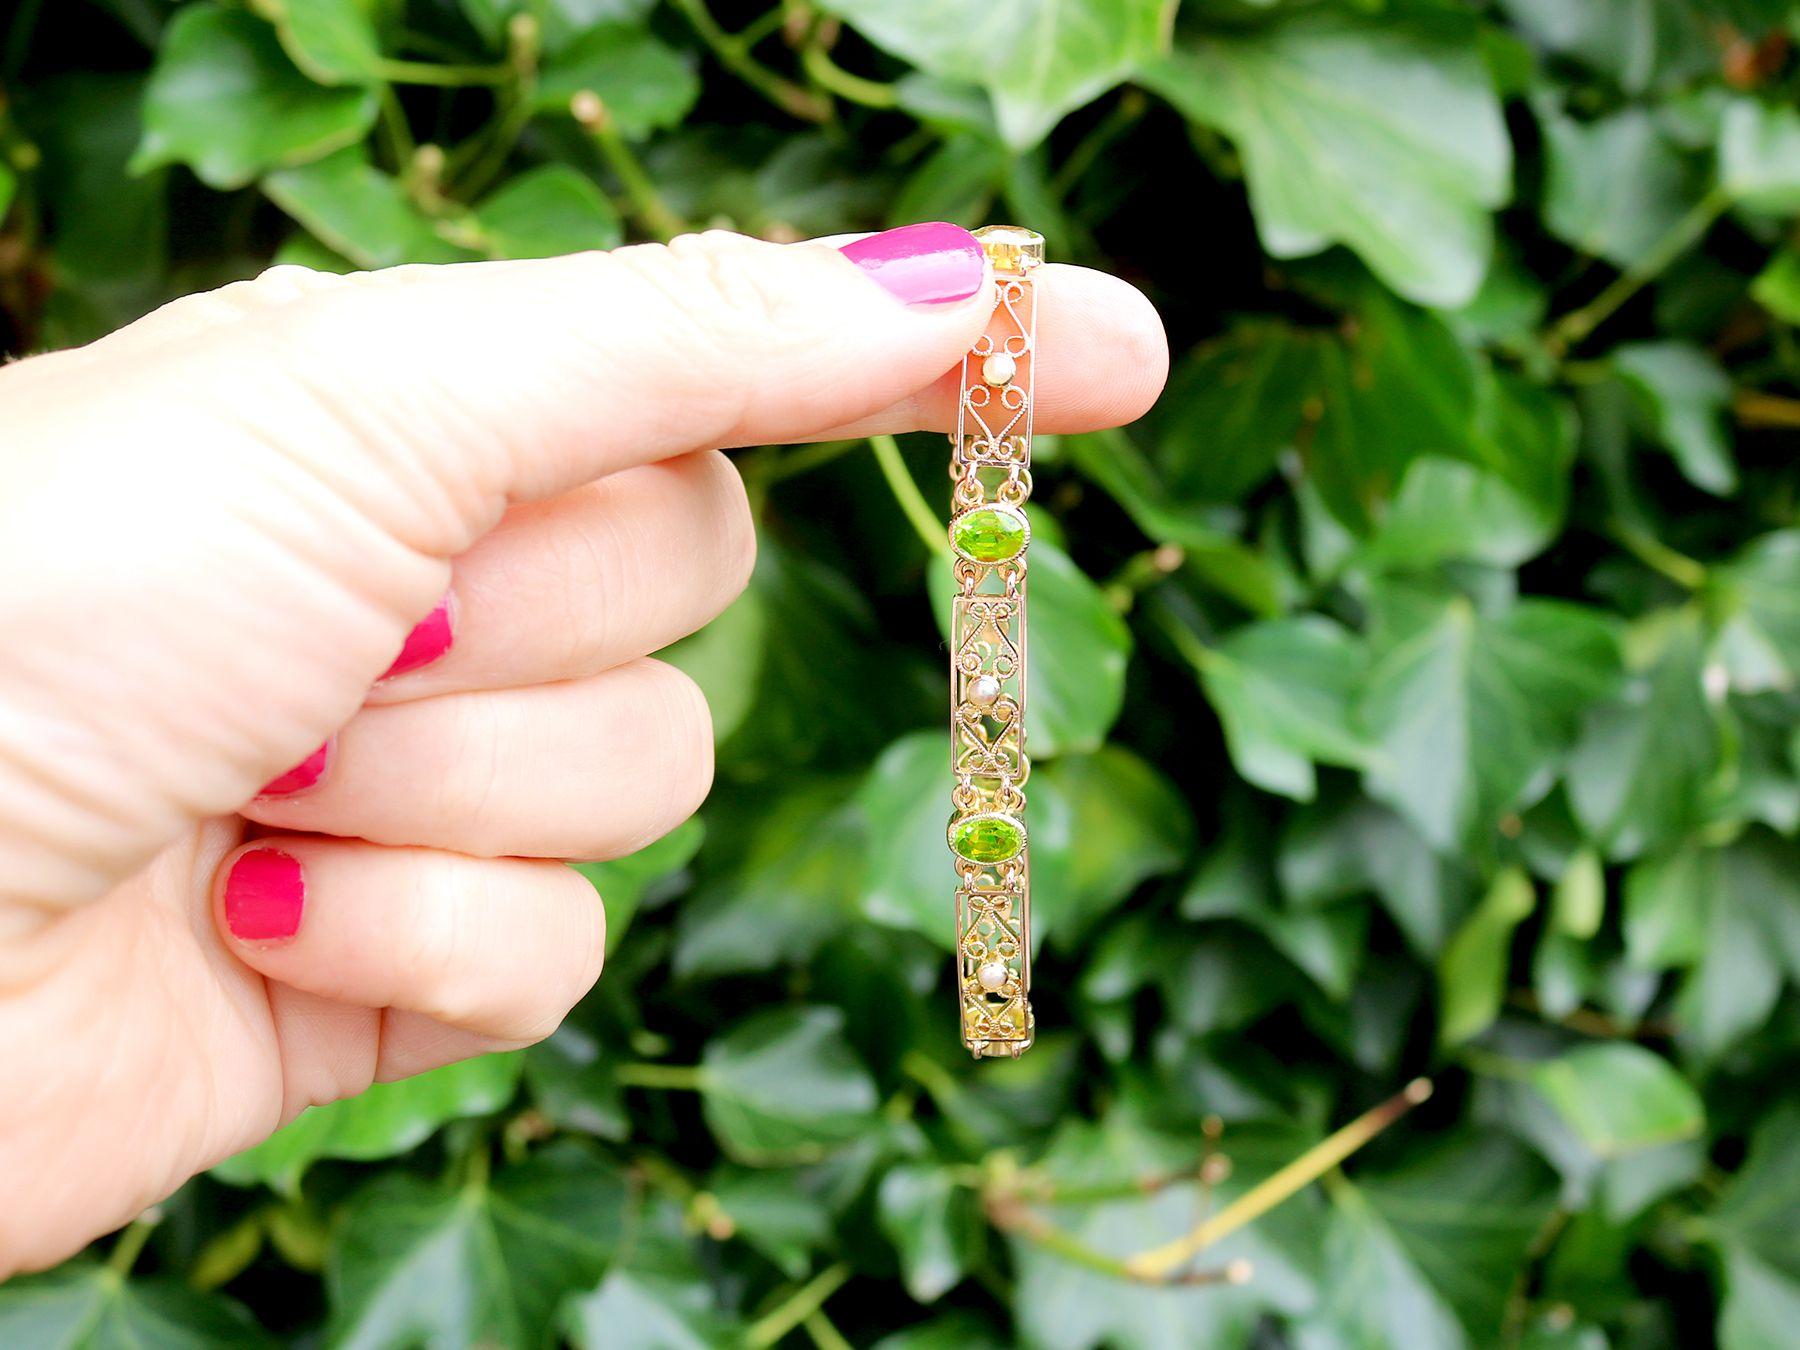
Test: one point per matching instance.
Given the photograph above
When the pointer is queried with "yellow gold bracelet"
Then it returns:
(990, 465)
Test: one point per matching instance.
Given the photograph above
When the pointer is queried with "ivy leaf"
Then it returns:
(1754, 1229)
(1060, 54)
(1079, 650)
(1469, 709)
(547, 211)
(1472, 973)
(414, 1261)
(1380, 134)
(784, 1087)
(623, 883)
(1752, 918)
(561, 21)
(387, 1119)
(641, 1308)
(1421, 1255)
(1284, 690)
(933, 1223)
(775, 1213)
(225, 100)
(1446, 510)
(1620, 1098)
(1777, 286)
(1638, 44)
(1615, 186)
(643, 84)
(84, 1304)
(1684, 395)
(1757, 595)
(1637, 774)
(361, 212)
(1759, 156)
(333, 41)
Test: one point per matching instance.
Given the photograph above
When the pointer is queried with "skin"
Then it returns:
(218, 527)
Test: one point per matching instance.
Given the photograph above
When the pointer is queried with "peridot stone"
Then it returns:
(987, 839)
(990, 534)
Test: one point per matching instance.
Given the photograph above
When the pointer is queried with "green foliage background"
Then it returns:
(1415, 691)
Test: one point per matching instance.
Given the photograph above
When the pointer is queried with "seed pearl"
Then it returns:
(992, 975)
(985, 690)
(999, 369)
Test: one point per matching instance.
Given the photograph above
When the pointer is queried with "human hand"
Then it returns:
(220, 525)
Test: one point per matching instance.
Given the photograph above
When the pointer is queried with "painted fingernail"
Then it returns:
(429, 640)
(303, 776)
(929, 264)
(264, 896)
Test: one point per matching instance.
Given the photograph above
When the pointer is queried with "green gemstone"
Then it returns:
(987, 839)
(990, 534)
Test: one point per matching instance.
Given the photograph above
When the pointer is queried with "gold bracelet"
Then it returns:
(990, 465)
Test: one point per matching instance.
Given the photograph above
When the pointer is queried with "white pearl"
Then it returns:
(999, 369)
(985, 690)
(992, 975)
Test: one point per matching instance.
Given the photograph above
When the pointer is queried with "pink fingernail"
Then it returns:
(429, 640)
(304, 775)
(929, 264)
(264, 895)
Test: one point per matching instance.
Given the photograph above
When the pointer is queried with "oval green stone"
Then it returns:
(987, 839)
(989, 534)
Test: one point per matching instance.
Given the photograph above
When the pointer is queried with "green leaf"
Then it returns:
(415, 1262)
(225, 100)
(643, 85)
(1579, 902)
(1616, 186)
(1472, 973)
(1683, 394)
(641, 1309)
(1620, 1098)
(775, 1213)
(1637, 43)
(1360, 847)
(780, 885)
(1759, 156)
(1382, 134)
(1665, 907)
(1059, 54)
(1777, 286)
(1468, 710)
(1422, 1255)
(359, 211)
(624, 882)
(1284, 690)
(1755, 1231)
(333, 41)
(1447, 510)
(1079, 650)
(1636, 777)
(933, 1223)
(547, 211)
(560, 21)
(783, 1086)
(85, 1305)
(9, 182)
(1757, 600)
(387, 1119)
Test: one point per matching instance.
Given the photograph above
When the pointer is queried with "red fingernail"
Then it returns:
(428, 641)
(306, 774)
(264, 896)
(930, 264)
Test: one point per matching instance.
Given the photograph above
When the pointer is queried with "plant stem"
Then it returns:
(797, 1307)
(1118, 120)
(395, 71)
(125, 1252)
(1574, 326)
(830, 75)
(906, 492)
(658, 218)
(1271, 1191)
(734, 54)
(670, 1077)
(1019, 1218)
(802, 459)
(824, 1335)
(1684, 571)
(1754, 408)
